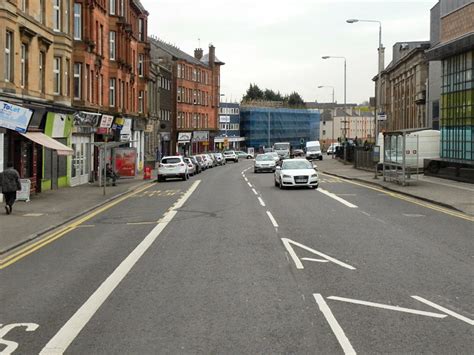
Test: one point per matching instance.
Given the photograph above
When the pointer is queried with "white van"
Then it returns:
(313, 150)
(420, 145)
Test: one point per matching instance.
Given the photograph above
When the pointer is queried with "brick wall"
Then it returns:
(457, 23)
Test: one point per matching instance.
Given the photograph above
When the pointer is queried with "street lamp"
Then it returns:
(378, 103)
(345, 88)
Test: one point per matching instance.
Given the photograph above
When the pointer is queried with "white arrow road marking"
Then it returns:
(386, 306)
(299, 265)
(445, 310)
(337, 198)
(336, 328)
(316, 260)
(66, 335)
(11, 346)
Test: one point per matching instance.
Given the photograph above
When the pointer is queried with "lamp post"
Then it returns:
(378, 98)
(329, 86)
(345, 91)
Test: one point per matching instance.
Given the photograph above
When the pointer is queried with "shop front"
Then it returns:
(183, 145)
(200, 142)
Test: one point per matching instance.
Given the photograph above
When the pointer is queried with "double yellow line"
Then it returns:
(31, 248)
(411, 200)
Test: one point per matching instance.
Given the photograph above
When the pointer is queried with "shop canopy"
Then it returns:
(48, 142)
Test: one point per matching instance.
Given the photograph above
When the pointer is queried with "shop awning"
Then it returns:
(48, 142)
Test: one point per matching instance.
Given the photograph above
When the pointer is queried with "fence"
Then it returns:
(364, 158)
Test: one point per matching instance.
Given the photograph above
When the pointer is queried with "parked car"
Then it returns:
(332, 148)
(213, 159)
(296, 172)
(220, 158)
(191, 166)
(274, 156)
(298, 153)
(201, 161)
(231, 155)
(243, 154)
(264, 162)
(196, 164)
(172, 167)
(208, 160)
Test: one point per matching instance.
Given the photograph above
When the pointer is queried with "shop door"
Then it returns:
(80, 160)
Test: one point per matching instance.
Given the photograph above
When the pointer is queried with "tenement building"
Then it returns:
(35, 91)
(196, 93)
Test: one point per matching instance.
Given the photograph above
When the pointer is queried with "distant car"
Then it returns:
(296, 172)
(264, 162)
(191, 166)
(196, 164)
(332, 148)
(219, 158)
(231, 155)
(209, 160)
(274, 155)
(201, 162)
(298, 153)
(173, 167)
(268, 150)
(243, 154)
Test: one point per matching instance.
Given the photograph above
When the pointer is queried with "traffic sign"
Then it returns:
(302, 141)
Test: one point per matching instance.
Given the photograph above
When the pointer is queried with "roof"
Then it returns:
(139, 5)
(455, 46)
(175, 51)
(205, 59)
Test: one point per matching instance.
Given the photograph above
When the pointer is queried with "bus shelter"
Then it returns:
(400, 156)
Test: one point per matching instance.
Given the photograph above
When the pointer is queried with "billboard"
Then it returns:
(125, 161)
(14, 117)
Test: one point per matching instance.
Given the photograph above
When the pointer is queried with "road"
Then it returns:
(228, 263)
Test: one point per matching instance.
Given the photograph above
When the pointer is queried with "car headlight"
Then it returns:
(286, 176)
(314, 175)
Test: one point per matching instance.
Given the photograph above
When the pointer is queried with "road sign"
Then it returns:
(302, 141)
(381, 117)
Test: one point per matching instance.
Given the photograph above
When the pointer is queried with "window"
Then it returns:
(179, 71)
(23, 65)
(112, 7)
(101, 93)
(77, 22)
(194, 74)
(41, 11)
(24, 5)
(87, 82)
(195, 97)
(140, 65)
(8, 70)
(179, 93)
(122, 94)
(112, 44)
(100, 41)
(112, 92)
(140, 101)
(77, 80)
(67, 12)
(140, 30)
(57, 75)
(67, 77)
(41, 63)
(57, 15)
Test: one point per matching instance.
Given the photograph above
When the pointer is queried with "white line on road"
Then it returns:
(250, 185)
(255, 191)
(247, 180)
(299, 265)
(272, 219)
(336, 328)
(337, 198)
(261, 202)
(386, 306)
(66, 335)
(316, 260)
(445, 310)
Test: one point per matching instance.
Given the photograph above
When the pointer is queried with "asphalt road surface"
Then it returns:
(227, 263)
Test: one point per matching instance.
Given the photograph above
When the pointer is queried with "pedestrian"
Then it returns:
(10, 184)
(110, 174)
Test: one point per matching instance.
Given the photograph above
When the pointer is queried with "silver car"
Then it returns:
(296, 172)
(264, 162)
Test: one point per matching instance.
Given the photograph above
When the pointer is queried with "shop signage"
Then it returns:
(127, 126)
(106, 121)
(88, 119)
(118, 123)
(184, 137)
(14, 117)
(224, 119)
(200, 136)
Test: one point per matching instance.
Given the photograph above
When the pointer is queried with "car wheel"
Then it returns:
(321, 157)
(276, 183)
(280, 185)
(255, 171)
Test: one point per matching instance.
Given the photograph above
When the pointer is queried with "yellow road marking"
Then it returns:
(412, 200)
(20, 254)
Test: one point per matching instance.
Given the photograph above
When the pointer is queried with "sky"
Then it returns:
(278, 44)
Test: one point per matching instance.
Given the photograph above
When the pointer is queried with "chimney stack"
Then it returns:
(212, 55)
(198, 53)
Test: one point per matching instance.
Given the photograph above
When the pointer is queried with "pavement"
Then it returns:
(51, 209)
(447, 193)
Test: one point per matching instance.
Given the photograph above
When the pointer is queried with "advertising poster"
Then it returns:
(14, 117)
(125, 161)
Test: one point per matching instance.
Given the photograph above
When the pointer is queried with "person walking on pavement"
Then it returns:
(10, 184)
(110, 174)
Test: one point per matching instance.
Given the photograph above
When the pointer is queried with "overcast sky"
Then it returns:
(278, 44)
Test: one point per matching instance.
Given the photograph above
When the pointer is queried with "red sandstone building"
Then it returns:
(196, 87)
(110, 71)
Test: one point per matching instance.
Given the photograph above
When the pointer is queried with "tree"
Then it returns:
(295, 99)
(253, 93)
(271, 95)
